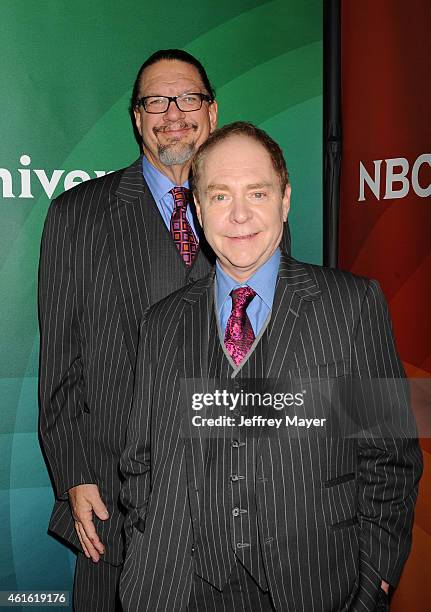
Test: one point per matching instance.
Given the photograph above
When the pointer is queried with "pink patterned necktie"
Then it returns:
(181, 230)
(239, 335)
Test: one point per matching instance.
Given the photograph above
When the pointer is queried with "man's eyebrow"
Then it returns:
(217, 186)
(222, 187)
(189, 90)
(260, 185)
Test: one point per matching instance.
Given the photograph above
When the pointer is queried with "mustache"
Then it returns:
(175, 125)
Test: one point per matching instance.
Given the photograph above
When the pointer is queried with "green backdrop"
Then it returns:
(66, 72)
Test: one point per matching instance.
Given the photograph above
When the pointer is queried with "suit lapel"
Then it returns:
(126, 210)
(196, 321)
(145, 261)
(296, 289)
(193, 367)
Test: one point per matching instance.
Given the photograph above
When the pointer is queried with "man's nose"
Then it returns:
(240, 211)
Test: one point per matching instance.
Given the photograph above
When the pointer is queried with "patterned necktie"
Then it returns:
(181, 230)
(239, 335)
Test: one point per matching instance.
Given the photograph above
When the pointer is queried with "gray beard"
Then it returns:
(175, 153)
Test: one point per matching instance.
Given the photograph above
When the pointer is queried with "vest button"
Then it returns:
(238, 511)
(236, 444)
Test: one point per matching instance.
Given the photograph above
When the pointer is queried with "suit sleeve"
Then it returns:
(135, 460)
(390, 460)
(61, 383)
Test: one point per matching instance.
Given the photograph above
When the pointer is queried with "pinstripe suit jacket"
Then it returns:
(335, 514)
(106, 256)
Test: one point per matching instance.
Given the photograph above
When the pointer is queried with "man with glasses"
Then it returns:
(112, 247)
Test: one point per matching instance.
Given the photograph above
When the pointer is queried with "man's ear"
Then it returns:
(198, 209)
(213, 114)
(286, 201)
(137, 115)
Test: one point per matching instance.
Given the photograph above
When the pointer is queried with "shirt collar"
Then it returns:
(263, 281)
(158, 183)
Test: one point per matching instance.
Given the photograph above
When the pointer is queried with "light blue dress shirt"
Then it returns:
(263, 282)
(160, 185)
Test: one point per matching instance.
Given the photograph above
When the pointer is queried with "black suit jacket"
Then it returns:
(106, 256)
(335, 513)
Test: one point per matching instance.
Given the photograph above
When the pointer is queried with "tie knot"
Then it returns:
(182, 196)
(242, 297)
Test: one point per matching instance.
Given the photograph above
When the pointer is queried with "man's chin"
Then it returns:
(175, 153)
(238, 266)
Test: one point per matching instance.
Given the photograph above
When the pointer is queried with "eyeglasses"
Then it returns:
(186, 103)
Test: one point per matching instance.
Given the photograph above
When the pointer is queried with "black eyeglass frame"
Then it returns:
(203, 97)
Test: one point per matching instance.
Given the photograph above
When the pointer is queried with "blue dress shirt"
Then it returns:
(160, 185)
(263, 282)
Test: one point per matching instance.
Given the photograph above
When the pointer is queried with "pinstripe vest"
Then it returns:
(229, 527)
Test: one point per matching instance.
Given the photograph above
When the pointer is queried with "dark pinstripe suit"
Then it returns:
(106, 256)
(334, 514)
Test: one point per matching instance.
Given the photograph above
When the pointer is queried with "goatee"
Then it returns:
(175, 153)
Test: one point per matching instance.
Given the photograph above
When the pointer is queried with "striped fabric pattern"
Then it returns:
(228, 492)
(95, 588)
(106, 256)
(334, 515)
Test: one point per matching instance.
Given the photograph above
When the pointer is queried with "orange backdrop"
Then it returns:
(385, 214)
